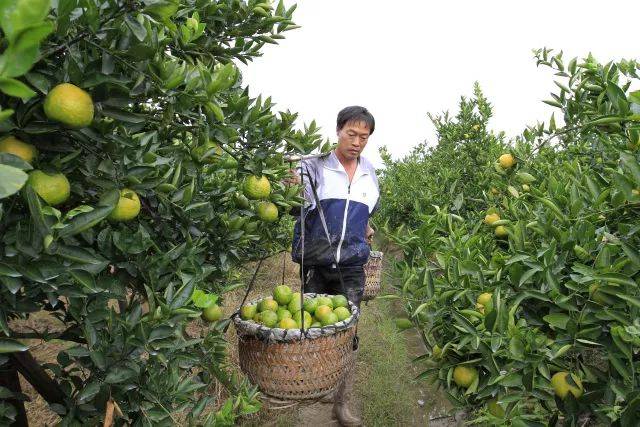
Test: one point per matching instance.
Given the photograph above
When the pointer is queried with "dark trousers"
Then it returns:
(326, 280)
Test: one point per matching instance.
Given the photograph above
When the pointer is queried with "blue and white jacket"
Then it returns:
(347, 208)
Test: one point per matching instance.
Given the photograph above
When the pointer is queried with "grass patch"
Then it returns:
(384, 371)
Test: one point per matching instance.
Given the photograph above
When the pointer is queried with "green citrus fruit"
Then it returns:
(257, 318)
(501, 231)
(491, 218)
(248, 311)
(330, 319)
(564, 383)
(507, 161)
(403, 323)
(310, 305)
(307, 318)
(464, 375)
(322, 312)
(267, 211)
(208, 153)
(283, 313)
(70, 105)
(257, 187)
(229, 163)
(295, 305)
(287, 323)
(267, 304)
(436, 353)
(339, 301)
(212, 313)
(342, 313)
(54, 189)
(325, 301)
(13, 145)
(282, 294)
(128, 206)
(269, 318)
(316, 324)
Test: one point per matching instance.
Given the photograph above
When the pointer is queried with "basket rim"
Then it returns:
(247, 328)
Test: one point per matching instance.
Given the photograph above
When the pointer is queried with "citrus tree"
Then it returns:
(529, 301)
(135, 173)
(464, 138)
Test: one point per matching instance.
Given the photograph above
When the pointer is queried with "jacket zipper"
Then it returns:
(344, 224)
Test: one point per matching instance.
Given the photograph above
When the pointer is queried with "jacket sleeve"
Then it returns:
(307, 171)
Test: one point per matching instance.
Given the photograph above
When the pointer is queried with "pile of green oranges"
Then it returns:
(286, 310)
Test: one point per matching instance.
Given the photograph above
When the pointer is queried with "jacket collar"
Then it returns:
(333, 163)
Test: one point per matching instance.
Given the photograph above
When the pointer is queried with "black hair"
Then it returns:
(356, 114)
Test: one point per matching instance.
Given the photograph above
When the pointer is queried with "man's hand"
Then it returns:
(293, 179)
(369, 234)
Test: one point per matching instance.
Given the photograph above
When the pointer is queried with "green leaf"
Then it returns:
(557, 320)
(11, 180)
(17, 15)
(136, 27)
(85, 279)
(201, 299)
(8, 345)
(16, 88)
(118, 374)
(88, 392)
(631, 164)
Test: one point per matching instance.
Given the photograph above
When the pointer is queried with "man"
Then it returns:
(336, 249)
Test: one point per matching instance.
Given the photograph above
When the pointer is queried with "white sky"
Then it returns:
(402, 59)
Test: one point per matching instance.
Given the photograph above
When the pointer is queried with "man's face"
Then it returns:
(352, 139)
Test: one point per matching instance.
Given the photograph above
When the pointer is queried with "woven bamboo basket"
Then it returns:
(373, 273)
(300, 366)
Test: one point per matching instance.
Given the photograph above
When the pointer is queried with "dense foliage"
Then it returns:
(528, 299)
(172, 123)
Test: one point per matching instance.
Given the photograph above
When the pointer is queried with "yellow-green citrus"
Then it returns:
(295, 305)
(248, 311)
(325, 301)
(208, 153)
(330, 319)
(403, 323)
(127, 208)
(212, 313)
(322, 312)
(267, 211)
(13, 145)
(339, 301)
(491, 218)
(269, 318)
(342, 313)
(507, 161)
(257, 187)
(267, 304)
(54, 189)
(501, 231)
(282, 294)
(297, 316)
(310, 305)
(283, 313)
(464, 375)
(564, 383)
(287, 323)
(484, 299)
(70, 105)
(436, 352)
(316, 324)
